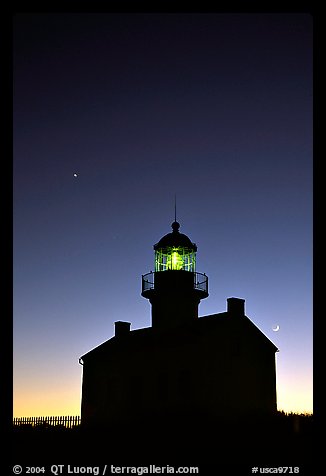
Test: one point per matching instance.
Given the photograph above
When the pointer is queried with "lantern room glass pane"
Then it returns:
(175, 258)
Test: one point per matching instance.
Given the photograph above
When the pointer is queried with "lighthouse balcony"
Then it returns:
(174, 280)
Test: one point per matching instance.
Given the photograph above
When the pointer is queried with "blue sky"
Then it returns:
(215, 108)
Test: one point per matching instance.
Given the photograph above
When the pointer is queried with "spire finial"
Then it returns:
(175, 225)
(175, 207)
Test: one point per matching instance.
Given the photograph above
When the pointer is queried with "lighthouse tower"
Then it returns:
(175, 288)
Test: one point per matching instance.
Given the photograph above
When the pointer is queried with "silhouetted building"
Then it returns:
(218, 365)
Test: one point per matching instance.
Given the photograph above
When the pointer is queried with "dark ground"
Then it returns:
(216, 447)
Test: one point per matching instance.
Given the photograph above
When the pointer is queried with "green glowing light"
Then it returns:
(175, 258)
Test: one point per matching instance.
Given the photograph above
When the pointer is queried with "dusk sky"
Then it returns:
(215, 108)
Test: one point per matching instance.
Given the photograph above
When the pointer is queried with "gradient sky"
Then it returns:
(216, 108)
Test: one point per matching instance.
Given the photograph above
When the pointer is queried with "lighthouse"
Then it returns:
(183, 364)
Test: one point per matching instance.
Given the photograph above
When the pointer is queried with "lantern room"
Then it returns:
(175, 252)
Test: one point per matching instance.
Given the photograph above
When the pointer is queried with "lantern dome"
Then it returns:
(175, 240)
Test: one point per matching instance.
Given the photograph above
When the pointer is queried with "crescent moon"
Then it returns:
(276, 328)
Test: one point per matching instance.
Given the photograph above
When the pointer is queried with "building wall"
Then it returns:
(209, 372)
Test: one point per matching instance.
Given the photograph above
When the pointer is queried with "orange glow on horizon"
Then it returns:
(32, 405)
(68, 401)
(47, 396)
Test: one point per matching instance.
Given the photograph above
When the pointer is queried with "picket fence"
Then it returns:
(48, 421)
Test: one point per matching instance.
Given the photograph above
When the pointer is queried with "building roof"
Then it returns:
(223, 325)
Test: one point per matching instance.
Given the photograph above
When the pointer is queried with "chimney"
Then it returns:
(236, 306)
(121, 328)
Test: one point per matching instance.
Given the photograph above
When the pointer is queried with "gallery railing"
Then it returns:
(200, 281)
